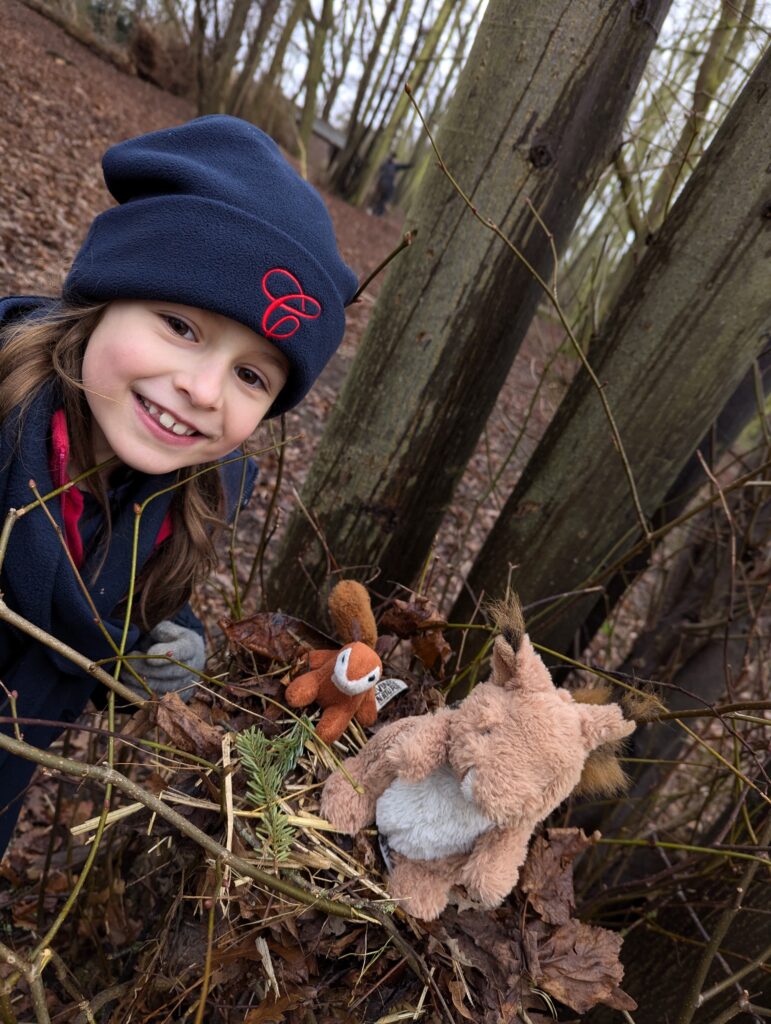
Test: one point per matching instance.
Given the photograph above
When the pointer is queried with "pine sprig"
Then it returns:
(266, 763)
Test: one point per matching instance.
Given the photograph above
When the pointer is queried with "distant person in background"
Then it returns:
(386, 184)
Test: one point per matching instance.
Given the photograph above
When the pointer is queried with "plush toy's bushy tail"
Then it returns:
(351, 613)
(602, 774)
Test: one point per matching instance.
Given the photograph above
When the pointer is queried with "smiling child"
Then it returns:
(210, 297)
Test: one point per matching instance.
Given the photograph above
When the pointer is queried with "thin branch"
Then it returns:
(693, 991)
(406, 241)
(109, 776)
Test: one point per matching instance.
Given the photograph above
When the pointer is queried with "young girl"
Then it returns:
(210, 297)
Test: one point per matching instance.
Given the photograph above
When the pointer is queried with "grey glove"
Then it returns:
(175, 641)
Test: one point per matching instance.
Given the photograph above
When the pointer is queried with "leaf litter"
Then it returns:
(272, 956)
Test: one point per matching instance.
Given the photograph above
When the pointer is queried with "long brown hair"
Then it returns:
(35, 349)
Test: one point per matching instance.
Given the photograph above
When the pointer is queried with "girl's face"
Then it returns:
(171, 386)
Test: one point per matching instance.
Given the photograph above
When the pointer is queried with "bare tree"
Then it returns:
(313, 73)
(532, 134)
(674, 348)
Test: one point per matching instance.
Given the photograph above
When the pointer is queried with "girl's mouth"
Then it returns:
(163, 423)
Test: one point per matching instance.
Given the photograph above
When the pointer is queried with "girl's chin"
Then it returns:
(157, 465)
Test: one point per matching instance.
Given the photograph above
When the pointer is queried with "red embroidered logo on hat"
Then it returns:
(282, 317)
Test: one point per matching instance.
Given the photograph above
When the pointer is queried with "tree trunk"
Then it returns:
(677, 344)
(242, 86)
(313, 74)
(385, 137)
(428, 97)
(455, 307)
(341, 73)
(380, 102)
(715, 68)
(662, 956)
(422, 153)
(745, 406)
(217, 83)
(271, 80)
(703, 636)
(355, 133)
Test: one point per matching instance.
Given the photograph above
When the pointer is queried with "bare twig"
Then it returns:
(109, 776)
(691, 999)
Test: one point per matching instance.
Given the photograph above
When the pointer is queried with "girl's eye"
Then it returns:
(180, 327)
(251, 378)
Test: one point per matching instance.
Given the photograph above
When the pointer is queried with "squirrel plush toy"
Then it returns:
(343, 681)
(457, 794)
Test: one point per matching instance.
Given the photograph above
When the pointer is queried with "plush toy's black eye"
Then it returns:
(371, 679)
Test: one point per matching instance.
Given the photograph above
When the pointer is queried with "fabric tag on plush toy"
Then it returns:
(386, 690)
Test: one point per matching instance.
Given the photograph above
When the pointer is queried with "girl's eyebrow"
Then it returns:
(274, 357)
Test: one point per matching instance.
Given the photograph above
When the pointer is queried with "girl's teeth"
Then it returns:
(166, 420)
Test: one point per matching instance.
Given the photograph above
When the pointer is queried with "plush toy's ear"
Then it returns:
(351, 613)
(515, 665)
(602, 723)
(507, 616)
(521, 670)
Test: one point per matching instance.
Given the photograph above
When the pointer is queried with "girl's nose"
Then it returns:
(202, 384)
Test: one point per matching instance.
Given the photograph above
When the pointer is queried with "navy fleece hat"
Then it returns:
(211, 215)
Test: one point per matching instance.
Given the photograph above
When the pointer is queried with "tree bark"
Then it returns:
(673, 350)
(659, 965)
(385, 138)
(240, 90)
(313, 74)
(745, 407)
(726, 39)
(422, 153)
(220, 67)
(455, 307)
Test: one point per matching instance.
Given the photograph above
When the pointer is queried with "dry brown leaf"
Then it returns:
(406, 619)
(271, 1011)
(185, 729)
(419, 621)
(547, 876)
(482, 941)
(274, 636)
(458, 995)
(579, 965)
(433, 650)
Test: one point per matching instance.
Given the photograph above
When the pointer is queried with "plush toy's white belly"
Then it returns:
(429, 819)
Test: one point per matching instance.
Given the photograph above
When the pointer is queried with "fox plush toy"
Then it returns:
(457, 794)
(343, 682)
